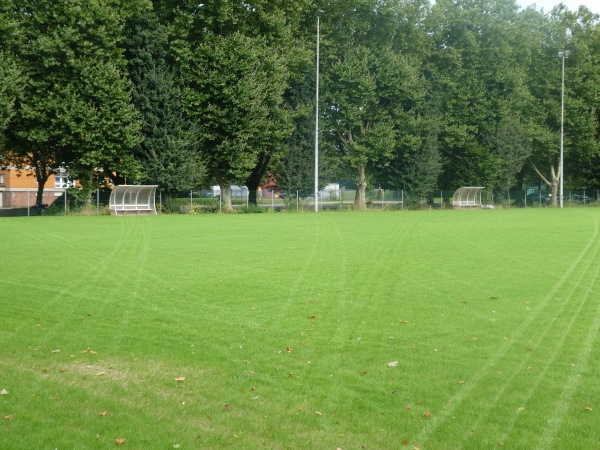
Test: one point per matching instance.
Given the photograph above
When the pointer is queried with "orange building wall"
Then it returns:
(20, 191)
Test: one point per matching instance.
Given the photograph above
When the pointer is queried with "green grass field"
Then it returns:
(379, 330)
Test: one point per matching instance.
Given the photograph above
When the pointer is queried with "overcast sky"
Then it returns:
(573, 5)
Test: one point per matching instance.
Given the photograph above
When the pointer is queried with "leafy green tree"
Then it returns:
(74, 109)
(577, 32)
(478, 67)
(417, 168)
(234, 60)
(9, 88)
(166, 154)
(234, 97)
(371, 90)
(9, 73)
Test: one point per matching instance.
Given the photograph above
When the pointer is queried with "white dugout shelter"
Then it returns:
(133, 199)
(467, 197)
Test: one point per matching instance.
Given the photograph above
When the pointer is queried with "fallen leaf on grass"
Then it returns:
(288, 349)
(3, 392)
(392, 364)
(427, 414)
(587, 408)
(91, 352)
(7, 417)
(318, 413)
(461, 382)
(120, 441)
(103, 413)
(312, 317)
(180, 379)
(56, 351)
(405, 442)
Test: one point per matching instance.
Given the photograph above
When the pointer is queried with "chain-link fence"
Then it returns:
(195, 201)
(339, 198)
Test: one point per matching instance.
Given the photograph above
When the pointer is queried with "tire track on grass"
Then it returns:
(574, 285)
(372, 279)
(301, 276)
(72, 286)
(557, 418)
(135, 277)
(460, 396)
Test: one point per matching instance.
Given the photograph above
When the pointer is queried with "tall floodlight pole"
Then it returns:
(319, 13)
(564, 54)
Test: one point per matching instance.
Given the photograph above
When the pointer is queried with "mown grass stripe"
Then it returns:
(456, 400)
(586, 276)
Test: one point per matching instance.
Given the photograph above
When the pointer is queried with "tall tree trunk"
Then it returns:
(360, 201)
(552, 183)
(555, 183)
(42, 173)
(555, 192)
(225, 193)
(256, 176)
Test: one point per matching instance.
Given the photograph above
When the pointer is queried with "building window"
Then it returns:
(63, 180)
(1, 178)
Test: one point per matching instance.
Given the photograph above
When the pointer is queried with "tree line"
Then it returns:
(413, 96)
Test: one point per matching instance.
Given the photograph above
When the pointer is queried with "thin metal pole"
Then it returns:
(317, 117)
(564, 55)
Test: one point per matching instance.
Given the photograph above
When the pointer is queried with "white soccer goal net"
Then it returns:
(133, 199)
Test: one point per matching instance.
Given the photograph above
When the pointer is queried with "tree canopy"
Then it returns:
(414, 95)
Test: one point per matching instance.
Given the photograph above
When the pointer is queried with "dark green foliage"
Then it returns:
(415, 96)
(166, 154)
(74, 107)
(233, 61)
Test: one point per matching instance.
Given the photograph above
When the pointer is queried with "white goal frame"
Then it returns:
(467, 197)
(129, 199)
